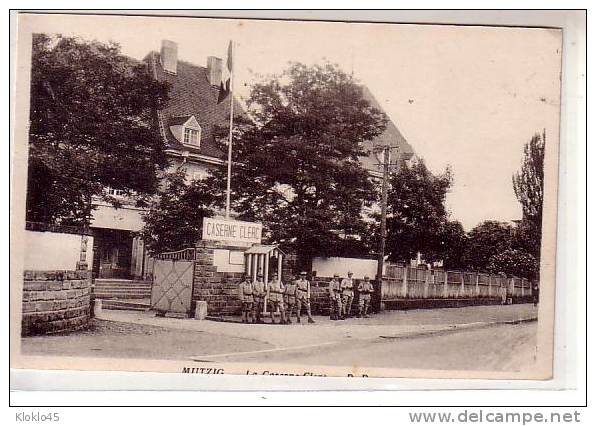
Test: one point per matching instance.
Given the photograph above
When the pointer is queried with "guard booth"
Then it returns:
(264, 259)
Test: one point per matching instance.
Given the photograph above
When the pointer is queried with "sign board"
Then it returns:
(236, 258)
(231, 230)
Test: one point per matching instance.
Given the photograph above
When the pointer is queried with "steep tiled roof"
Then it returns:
(391, 136)
(178, 121)
(192, 94)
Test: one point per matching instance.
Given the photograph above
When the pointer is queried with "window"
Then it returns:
(114, 192)
(191, 136)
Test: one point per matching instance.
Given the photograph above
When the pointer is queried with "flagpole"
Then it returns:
(229, 186)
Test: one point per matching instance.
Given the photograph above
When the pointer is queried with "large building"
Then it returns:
(187, 126)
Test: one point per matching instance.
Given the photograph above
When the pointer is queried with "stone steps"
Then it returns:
(107, 296)
(121, 289)
(121, 283)
(116, 289)
(127, 305)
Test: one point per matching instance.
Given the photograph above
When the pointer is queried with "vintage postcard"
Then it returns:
(295, 198)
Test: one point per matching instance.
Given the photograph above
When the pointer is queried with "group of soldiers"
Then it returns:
(341, 295)
(291, 298)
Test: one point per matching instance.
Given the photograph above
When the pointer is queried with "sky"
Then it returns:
(468, 97)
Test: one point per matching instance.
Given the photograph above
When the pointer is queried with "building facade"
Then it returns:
(187, 125)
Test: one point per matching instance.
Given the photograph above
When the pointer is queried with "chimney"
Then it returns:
(214, 65)
(169, 56)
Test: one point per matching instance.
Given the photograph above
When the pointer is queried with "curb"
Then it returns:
(460, 327)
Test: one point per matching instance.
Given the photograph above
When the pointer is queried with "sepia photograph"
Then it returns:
(283, 197)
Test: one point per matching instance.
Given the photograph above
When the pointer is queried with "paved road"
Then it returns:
(115, 339)
(389, 323)
(491, 348)
(458, 338)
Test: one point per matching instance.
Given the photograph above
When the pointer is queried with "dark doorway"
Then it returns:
(112, 253)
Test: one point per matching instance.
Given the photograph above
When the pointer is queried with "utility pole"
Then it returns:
(384, 189)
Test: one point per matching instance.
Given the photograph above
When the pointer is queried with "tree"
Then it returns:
(416, 214)
(488, 239)
(296, 163)
(175, 217)
(452, 245)
(514, 262)
(92, 125)
(527, 237)
(528, 185)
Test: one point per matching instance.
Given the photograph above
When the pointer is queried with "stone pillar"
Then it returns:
(511, 289)
(200, 310)
(404, 284)
(445, 285)
(490, 278)
(255, 266)
(463, 284)
(265, 278)
(248, 265)
(138, 252)
(477, 284)
(82, 264)
(266, 268)
(289, 267)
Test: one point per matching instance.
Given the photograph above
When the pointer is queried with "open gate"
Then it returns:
(173, 280)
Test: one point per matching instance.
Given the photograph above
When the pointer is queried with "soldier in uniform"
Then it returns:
(347, 295)
(504, 289)
(259, 291)
(275, 296)
(246, 299)
(290, 299)
(365, 291)
(335, 298)
(535, 293)
(303, 296)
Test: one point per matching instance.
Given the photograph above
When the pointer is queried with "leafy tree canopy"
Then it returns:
(514, 263)
(296, 163)
(175, 217)
(91, 126)
(417, 217)
(486, 240)
(527, 238)
(528, 184)
(452, 241)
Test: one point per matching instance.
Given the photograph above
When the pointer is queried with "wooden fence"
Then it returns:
(402, 282)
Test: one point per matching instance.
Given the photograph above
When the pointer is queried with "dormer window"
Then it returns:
(191, 136)
(186, 130)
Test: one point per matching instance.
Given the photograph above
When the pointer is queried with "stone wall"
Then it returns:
(319, 295)
(409, 283)
(55, 301)
(218, 289)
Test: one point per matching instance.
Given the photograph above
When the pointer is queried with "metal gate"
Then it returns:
(172, 287)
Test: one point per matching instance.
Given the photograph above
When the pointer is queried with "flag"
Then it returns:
(226, 78)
